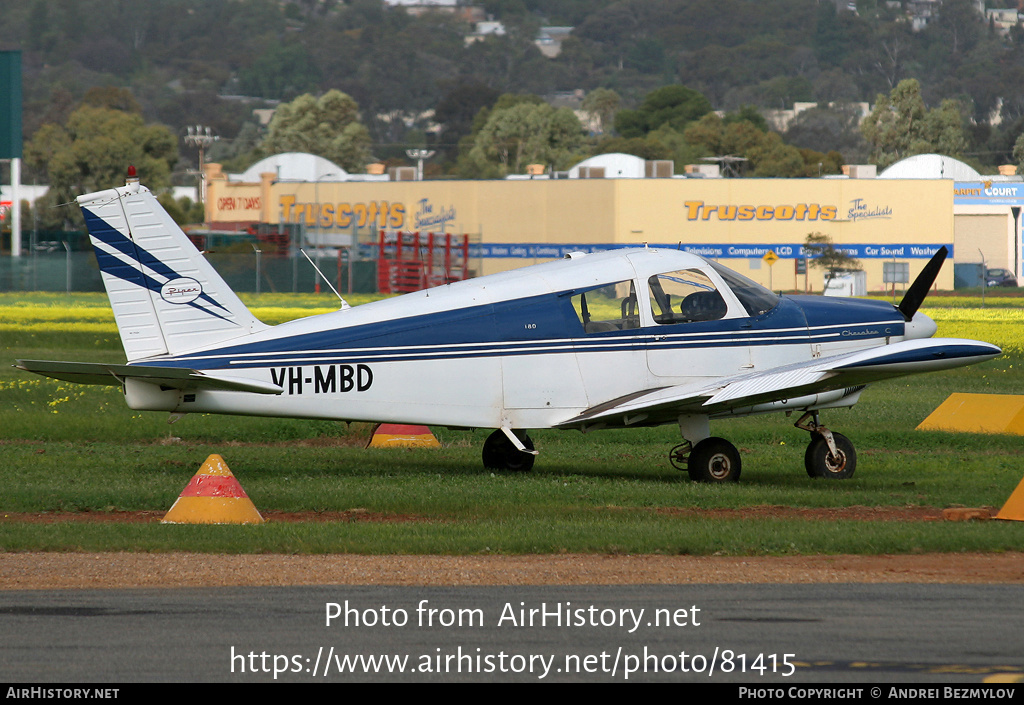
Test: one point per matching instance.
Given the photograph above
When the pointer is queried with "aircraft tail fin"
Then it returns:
(167, 298)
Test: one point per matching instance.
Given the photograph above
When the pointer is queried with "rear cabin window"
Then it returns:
(607, 308)
(685, 296)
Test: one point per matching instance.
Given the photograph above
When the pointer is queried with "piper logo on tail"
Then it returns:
(183, 290)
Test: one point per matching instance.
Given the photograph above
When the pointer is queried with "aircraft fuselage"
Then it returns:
(513, 357)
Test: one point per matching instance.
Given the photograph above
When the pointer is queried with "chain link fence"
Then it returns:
(64, 261)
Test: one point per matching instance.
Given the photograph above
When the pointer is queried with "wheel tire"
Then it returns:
(820, 463)
(500, 454)
(812, 470)
(714, 460)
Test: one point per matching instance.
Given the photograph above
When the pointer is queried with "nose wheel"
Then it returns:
(830, 455)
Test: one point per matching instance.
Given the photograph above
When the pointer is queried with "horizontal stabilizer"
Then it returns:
(169, 377)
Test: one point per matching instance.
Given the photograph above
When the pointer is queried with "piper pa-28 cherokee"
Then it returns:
(624, 338)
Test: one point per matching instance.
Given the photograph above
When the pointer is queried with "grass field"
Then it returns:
(79, 448)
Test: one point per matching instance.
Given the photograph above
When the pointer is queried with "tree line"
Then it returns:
(650, 73)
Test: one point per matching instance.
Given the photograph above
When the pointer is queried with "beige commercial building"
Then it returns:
(755, 226)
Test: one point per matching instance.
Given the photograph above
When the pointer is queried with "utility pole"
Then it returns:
(202, 137)
(420, 155)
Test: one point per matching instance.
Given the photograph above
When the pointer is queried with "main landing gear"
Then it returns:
(500, 453)
(716, 460)
(711, 460)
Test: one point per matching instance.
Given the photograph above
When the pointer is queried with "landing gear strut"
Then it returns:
(501, 454)
(711, 460)
(829, 454)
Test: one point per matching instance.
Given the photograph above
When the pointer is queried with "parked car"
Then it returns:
(999, 277)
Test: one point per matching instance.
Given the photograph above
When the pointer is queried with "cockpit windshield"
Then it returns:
(755, 298)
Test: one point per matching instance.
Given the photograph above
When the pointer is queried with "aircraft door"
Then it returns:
(609, 339)
(775, 329)
(693, 335)
(540, 375)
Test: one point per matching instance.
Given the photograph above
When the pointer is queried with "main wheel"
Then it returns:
(500, 453)
(714, 460)
(820, 462)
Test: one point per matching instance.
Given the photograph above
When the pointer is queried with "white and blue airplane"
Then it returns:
(625, 338)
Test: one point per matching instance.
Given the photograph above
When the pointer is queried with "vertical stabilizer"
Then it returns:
(167, 298)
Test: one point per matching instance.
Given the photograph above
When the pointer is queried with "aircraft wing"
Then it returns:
(168, 377)
(826, 374)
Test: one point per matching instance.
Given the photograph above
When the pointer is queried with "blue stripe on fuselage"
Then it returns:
(537, 325)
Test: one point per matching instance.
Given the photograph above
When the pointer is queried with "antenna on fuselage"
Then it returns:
(344, 303)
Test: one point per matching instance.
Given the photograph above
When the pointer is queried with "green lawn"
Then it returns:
(78, 448)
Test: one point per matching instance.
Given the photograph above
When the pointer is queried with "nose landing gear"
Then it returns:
(829, 454)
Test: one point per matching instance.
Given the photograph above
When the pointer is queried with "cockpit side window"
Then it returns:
(755, 298)
(607, 308)
(685, 296)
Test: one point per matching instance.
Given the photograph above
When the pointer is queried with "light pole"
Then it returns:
(67, 267)
(202, 137)
(258, 253)
(984, 276)
(420, 155)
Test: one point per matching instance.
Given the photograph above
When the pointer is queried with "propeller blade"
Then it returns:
(914, 297)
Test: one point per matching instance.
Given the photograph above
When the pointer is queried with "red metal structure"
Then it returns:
(410, 261)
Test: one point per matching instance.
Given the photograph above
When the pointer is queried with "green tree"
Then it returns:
(327, 126)
(958, 27)
(282, 71)
(747, 113)
(826, 256)
(644, 147)
(112, 97)
(602, 102)
(901, 126)
(473, 163)
(94, 150)
(681, 151)
(773, 158)
(236, 154)
(1018, 153)
(835, 127)
(504, 101)
(528, 133)
(40, 34)
(767, 154)
(457, 109)
(675, 106)
(183, 211)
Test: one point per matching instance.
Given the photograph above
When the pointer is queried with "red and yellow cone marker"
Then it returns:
(389, 435)
(1013, 510)
(213, 496)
